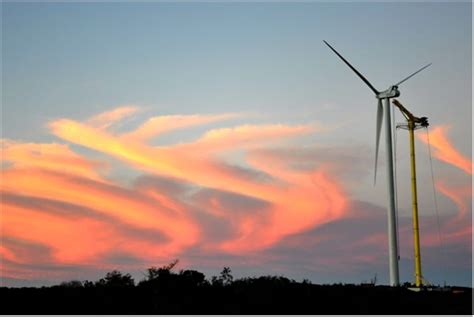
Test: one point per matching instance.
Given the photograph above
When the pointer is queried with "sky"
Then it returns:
(228, 134)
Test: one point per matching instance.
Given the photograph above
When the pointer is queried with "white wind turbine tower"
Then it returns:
(386, 95)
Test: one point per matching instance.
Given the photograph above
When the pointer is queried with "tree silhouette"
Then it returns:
(88, 284)
(192, 278)
(225, 278)
(188, 292)
(154, 272)
(71, 284)
(116, 279)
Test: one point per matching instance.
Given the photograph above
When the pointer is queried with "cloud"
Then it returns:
(458, 228)
(74, 211)
(105, 119)
(158, 125)
(71, 240)
(189, 201)
(356, 245)
(19, 251)
(81, 219)
(444, 150)
(52, 156)
(348, 163)
(284, 195)
(461, 196)
(245, 136)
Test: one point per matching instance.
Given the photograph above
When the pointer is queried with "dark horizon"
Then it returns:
(164, 291)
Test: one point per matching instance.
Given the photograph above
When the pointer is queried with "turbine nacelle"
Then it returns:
(391, 92)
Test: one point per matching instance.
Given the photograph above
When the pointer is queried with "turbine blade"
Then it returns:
(355, 70)
(413, 74)
(377, 135)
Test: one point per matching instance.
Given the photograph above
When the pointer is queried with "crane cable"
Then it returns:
(435, 199)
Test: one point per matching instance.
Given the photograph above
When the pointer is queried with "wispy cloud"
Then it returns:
(52, 156)
(198, 164)
(189, 198)
(105, 119)
(444, 149)
(62, 195)
(460, 195)
(156, 126)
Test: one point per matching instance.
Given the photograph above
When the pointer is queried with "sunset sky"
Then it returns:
(228, 134)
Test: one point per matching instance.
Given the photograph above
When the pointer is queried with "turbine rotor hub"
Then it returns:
(391, 92)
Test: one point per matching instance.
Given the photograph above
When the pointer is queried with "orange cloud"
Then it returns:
(72, 240)
(315, 200)
(53, 156)
(65, 202)
(167, 161)
(159, 125)
(8, 255)
(444, 150)
(130, 207)
(287, 193)
(461, 196)
(245, 136)
(105, 119)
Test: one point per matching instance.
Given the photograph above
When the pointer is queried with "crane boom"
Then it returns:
(414, 122)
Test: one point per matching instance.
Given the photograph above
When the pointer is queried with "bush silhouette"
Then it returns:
(192, 278)
(72, 284)
(116, 279)
(164, 291)
(154, 273)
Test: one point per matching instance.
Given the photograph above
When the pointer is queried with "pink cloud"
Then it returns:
(192, 197)
(445, 151)
(66, 202)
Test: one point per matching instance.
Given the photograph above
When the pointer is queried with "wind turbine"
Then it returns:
(384, 97)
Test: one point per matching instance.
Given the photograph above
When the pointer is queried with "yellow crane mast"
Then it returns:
(413, 123)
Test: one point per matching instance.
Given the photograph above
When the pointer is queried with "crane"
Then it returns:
(413, 123)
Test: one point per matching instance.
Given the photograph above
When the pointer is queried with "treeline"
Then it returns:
(164, 291)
